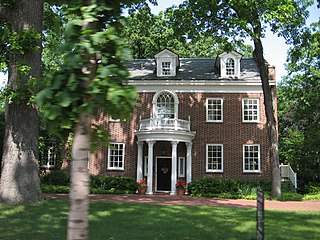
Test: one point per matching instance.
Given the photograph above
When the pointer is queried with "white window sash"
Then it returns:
(207, 109)
(207, 158)
(121, 156)
(181, 167)
(244, 159)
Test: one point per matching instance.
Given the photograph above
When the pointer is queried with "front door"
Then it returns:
(164, 165)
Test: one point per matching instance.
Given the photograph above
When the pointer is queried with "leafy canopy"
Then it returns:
(77, 87)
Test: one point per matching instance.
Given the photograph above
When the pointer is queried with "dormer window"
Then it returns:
(166, 68)
(229, 64)
(167, 63)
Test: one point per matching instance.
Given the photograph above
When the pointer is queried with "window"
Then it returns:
(145, 169)
(250, 110)
(251, 158)
(165, 105)
(48, 156)
(214, 110)
(116, 156)
(166, 66)
(181, 167)
(230, 67)
(214, 158)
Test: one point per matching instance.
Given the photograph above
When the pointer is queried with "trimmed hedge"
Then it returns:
(58, 181)
(56, 177)
(113, 183)
(230, 188)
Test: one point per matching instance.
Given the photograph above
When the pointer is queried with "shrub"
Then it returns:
(217, 187)
(54, 188)
(314, 188)
(290, 196)
(312, 196)
(56, 177)
(124, 184)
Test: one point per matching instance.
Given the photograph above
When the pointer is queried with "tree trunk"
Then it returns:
(79, 202)
(19, 181)
(271, 121)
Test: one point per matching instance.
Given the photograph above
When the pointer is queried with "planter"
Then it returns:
(180, 192)
(142, 191)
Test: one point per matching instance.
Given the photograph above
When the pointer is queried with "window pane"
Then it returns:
(250, 109)
(214, 110)
(251, 157)
(165, 105)
(166, 68)
(230, 70)
(214, 157)
(116, 155)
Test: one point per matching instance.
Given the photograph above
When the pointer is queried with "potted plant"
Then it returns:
(142, 186)
(181, 187)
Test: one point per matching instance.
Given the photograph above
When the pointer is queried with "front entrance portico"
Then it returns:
(174, 137)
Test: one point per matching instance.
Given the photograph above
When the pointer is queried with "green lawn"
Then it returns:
(48, 220)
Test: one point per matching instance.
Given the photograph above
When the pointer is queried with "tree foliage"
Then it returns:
(299, 113)
(232, 21)
(148, 34)
(70, 91)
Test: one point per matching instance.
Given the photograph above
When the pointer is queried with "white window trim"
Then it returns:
(181, 166)
(223, 61)
(154, 103)
(259, 159)
(51, 157)
(207, 162)
(258, 111)
(109, 148)
(207, 110)
(145, 166)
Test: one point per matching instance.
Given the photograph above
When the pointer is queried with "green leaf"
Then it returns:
(64, 99)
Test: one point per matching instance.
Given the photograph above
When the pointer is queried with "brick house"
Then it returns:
(196, 118)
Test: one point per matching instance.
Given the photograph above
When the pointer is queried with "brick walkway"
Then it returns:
(196, 201)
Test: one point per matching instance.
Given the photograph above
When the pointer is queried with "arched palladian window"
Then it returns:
(165, 105)
(230, 67)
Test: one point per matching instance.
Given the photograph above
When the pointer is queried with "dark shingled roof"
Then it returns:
(191, 69)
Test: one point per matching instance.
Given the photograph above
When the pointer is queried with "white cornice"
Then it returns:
(165, 136)
(253, 86)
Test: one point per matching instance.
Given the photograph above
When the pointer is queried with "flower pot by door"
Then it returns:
(180, 192)
(142, 190)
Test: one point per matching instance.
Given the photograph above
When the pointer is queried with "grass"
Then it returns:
(48, 220)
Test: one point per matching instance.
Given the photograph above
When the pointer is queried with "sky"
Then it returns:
(275, 49)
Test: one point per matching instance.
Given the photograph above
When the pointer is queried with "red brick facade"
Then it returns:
(170, 127)
(232, 133)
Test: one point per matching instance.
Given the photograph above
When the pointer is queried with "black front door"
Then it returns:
(164, 166)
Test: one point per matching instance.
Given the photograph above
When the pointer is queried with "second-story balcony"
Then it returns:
(172, 124)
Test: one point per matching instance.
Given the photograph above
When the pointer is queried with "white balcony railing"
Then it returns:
(164, 124)
(287, 173)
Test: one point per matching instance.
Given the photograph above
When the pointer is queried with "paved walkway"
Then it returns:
(162, 199)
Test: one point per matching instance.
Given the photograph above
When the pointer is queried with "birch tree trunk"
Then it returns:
(19, 181)
(79, 202)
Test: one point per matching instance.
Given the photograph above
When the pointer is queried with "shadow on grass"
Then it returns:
(44, 220)
(48, 220)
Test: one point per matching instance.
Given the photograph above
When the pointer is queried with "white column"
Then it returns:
(189, 163)
(150, 166)
(140, 161)
(174, 167)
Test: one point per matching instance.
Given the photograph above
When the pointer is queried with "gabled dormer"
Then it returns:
(229, 64)
(167, 63)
